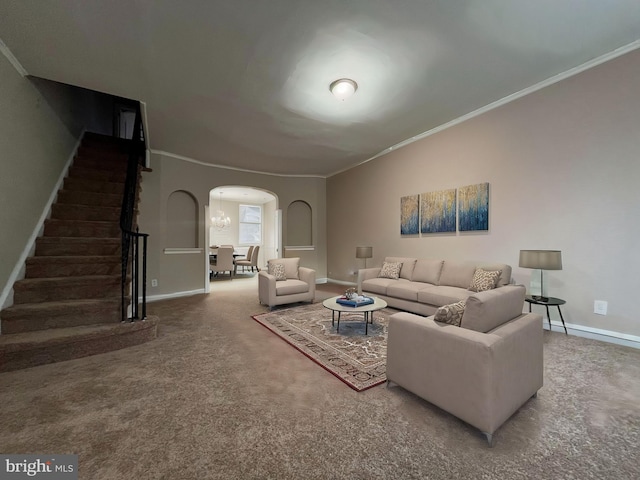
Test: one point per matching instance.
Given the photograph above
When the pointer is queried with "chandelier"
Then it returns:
(220, 220)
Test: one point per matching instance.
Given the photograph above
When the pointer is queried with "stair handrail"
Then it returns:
(130, 238)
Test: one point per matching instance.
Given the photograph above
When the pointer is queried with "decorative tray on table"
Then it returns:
(358, 301)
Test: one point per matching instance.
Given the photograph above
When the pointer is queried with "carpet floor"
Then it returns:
(217, 396)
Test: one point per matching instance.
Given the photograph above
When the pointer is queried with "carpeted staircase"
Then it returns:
(68, 304)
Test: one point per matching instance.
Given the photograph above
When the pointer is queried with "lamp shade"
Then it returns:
(364, 252)
(542, 259)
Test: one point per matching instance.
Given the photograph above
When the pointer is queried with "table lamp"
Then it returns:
(364, 252)
(542, 260)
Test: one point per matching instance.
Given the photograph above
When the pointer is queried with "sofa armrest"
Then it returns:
(482, 378)
(266, 288)
(366, 274)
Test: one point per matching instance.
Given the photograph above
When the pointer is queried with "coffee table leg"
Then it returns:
(338, 329)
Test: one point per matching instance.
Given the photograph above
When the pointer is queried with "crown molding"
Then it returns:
(509, 98)
(226, 167)
(12, 59)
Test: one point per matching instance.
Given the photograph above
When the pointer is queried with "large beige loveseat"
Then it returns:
(426, 284)
(481, 371)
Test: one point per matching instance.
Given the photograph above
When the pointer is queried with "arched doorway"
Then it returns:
(253, 219)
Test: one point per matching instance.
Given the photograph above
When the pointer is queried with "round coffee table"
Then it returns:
(366, 310)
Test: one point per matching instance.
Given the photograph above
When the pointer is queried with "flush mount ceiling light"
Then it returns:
(343, 88)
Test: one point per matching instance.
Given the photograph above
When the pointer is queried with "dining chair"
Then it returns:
(224, 261)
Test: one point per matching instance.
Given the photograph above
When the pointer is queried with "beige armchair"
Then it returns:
(297, 284)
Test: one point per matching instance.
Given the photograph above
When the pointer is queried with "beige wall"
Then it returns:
(563, 166)
(170, 174)
(35, 145)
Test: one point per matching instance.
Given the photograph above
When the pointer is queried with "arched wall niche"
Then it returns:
(299, 224)
(182, 220)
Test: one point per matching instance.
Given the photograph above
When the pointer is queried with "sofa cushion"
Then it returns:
(505, 276)
(406, 290)
(451, 314)
(291, 287)
(487, 310)
(484, 280)
(442, 295)
(277, 270)
(427, 271)
(379, 285)
(291, 266)
(390, 270)
(456, 274)
(408, 264)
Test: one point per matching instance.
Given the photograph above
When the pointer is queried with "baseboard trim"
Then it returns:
(342, 282)
(602, 335)
(188, 293)
(18, 270)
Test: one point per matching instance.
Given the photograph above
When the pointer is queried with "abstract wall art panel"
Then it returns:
(438, 211)
(409, 215)
(473, 207)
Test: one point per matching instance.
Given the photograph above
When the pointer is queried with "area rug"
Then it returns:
(357, 359)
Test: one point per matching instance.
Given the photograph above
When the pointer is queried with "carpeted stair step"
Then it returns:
(72, 265)
(56, 246)
(68, 305)
(94, 186)
(37, 290)
(77, 197)
(104, 142)
(98, 157)
(31, 317)
(24, 350)
(71, 228)
(118, 175)
(88, 213)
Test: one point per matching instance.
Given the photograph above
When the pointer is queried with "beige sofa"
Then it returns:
(481, 371)
(426, 284)
(297, 285)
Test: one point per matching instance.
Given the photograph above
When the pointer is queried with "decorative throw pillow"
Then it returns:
(484, 280)
(451, 314)
(390, 270)
(277, 270)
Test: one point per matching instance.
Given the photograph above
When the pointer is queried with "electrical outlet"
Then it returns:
(600, 307)
(154, 282)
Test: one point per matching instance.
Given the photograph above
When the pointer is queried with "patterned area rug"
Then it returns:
(359, 361)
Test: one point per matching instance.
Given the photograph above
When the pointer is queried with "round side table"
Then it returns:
(547, 301)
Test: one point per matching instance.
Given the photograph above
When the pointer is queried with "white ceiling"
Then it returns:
(244, 83)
